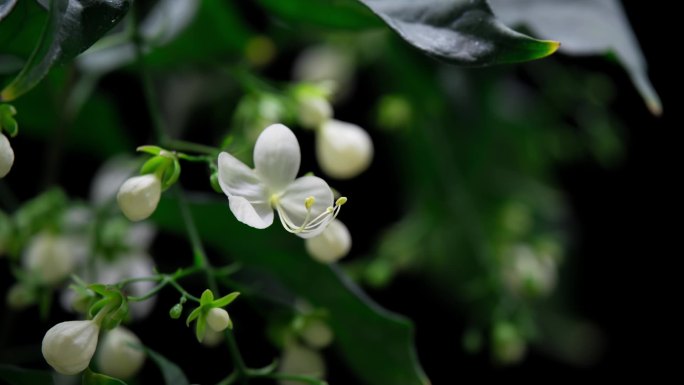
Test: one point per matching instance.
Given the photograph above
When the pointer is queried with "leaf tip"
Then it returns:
(551, 47)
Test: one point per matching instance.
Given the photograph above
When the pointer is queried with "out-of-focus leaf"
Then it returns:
(19, 33)
(6, 7)
(377, 345)
(463, 32)
(14, 375)
(343, 14)
(172, 374)
(585, 27)
(91, 378)
(73, 26)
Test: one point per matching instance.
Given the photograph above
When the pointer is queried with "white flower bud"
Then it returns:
(212, 338)
(116, 357)
(6, 156)
(313, 111)
(317, 334)
(69, 346)
(50, 257)
(529, 273)
(343, 150)
(139, 196)
(300, 360)
(331, 245)
(218, 319)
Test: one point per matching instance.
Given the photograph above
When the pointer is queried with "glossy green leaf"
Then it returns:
(19, 33)
(342, 14)
(376, 344)
(463, 32)
(6, 7)
(585, 27)
(172, 374)
(14, 375)
(91, 378)
(72, 27)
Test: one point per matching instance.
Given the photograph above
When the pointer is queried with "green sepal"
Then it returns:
(194, 314)
(207, 297)
(149, 149)
(91, 378)
(201, 328)
(171, 177)
(153, 164)
(7, 121)
(225, 300)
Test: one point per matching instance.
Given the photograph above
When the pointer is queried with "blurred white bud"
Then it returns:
(343, 150)
(19, 296)
(50, 257)
(528, 273)
(139, 196)
(212, 338)
(69, 346)
(331, 245)
(325, 64)
(6, 155)
(317, 334)
(218, 319)
(300, 360)
(116, 357)
(508, 346)
(313, 111)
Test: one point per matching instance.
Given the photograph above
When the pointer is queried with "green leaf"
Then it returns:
(91, 378)
(73, 26)
(225, 300)
(172, 374)
(342, 14)
(376, 344)
(463, 32)
(585, 27)
(20, 31)
(6, 7)
(15, 375)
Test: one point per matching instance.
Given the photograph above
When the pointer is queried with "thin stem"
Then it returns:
(182, 145)
(230, 379)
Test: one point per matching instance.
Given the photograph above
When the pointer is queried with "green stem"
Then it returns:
(182, 145)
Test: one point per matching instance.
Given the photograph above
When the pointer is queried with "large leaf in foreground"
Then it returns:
(463, 32)
(376, 344)
(72, 27)
(585, 27)
(6, 7)
(343, 14)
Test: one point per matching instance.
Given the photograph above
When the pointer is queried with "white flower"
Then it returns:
(69, 346)
(218, 319)
(139, 196)
(116, 357)
(343, 150)
(50, 257)
(304, 205)
(332, 244)
(6, 155)
(299, 360)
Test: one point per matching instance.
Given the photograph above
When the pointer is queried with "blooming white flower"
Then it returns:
(6, 155)
(304, 205)
(116, 357)
(69, 346)
(218, 319)
(343, 150)
(332, 244)
(50, 257)
(139, 196)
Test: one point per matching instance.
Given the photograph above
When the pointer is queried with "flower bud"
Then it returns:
(176, 311)
(528, 273)
(51, 258)
(138, 196)
(6, 155)
(343, 150)
(331, 245)
(300, 360)
(69, 346)
(20, 296)
(316, 334)
(313, 110)
(212, 338)
(116, 357)
(218, 319)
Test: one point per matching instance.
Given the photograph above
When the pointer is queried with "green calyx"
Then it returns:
(207, 302)
(109, 307)
(7, 121)
(164, 164)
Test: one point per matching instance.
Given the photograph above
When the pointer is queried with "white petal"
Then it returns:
(292, 201)
(257, 215)
(277, 157)
(236, 179)
(7, 156)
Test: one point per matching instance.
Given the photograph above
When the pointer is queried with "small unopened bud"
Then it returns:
(118, 356)
(332, 244)
(69, 346)
(139, 196)
(6, 156)
(176, 311)
(317, 334)
(343, 150)
(218, 319)
(313, 110)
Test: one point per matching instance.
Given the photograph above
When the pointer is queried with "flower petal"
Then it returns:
(236, 179)
(257, 215)
(277, 157)
(292, 201)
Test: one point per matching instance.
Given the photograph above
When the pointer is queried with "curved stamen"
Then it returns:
(309, 225)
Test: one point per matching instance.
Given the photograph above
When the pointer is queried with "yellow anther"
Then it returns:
(308, 202)
(340, 201)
